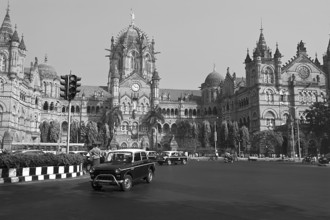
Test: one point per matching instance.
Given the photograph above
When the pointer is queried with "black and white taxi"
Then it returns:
(122, 168)
(172, 157)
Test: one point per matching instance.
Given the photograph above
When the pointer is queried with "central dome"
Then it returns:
(131, 35)
(47, 71)
(213, 79)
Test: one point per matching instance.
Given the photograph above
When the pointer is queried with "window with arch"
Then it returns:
(2, 63)
(65, 127)
(270, 119)
(88, 109)
(2, 85)
(45, 106)
(268, 75)
(124, 126)
(1, 116)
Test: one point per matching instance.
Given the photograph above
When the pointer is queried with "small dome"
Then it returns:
(46, 70)
(213, 79)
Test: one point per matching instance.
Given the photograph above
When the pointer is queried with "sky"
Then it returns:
(191, 36)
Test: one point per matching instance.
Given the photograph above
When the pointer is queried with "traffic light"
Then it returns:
(73, 86)
(64, 87)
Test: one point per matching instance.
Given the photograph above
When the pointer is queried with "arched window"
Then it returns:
(124, 126)
(64, 127)
(186, 112)
(77, 109)
(215, 112)
(166, 128)
(2, 63)
(63, 109)
(45, 105)
(72, 109)
(270, 119)
(97, 109)
(88, 109)
(51, 107)
(1, 116)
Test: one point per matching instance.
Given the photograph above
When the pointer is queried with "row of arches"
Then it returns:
(190, 112)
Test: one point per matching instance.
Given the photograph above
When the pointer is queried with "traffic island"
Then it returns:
(28, 174)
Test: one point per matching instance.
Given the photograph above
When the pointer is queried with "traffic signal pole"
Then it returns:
(68, 138)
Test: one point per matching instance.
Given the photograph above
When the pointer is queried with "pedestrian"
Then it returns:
(95, 154)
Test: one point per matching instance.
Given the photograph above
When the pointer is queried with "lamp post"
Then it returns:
(215, 137)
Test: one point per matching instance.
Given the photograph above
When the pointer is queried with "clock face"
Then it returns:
(303, 72)
(135, 87)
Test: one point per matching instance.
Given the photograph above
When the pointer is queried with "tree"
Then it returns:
(44, 131)
(54, 132)
(150, 120)
(206, 133)
(91, 133)
(82, 132)
(244, 137)
(113, 118)
(223, 135)
(267, 142)
(318, 119)
(74, 132)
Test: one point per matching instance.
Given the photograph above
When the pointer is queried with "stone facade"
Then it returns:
(264, 98)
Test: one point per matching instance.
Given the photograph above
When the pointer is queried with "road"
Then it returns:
(198, 190)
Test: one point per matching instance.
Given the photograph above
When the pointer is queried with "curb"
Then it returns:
(28, 174)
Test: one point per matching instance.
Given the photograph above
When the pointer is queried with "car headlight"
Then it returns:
(117, 170)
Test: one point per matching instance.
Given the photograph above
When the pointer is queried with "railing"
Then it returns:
(48, 147)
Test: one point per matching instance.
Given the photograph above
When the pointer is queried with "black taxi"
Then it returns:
(172, 157)
(121, 168)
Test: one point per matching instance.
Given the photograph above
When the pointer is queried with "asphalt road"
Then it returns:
(198, 190)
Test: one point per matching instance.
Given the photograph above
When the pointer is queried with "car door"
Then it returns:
(138, 166)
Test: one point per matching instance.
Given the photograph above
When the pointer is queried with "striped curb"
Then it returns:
(28, 174)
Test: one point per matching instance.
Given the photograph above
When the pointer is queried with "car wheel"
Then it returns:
(150, 176)
(184, 162)
(96, 186)
(169, 162)
(127, 183)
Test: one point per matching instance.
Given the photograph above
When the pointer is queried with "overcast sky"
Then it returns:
(191, 35)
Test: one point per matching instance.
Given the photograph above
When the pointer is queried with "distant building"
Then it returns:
(265, 98)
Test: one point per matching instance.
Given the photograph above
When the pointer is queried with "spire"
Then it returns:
(328, 49)
(316, 61)
(301, 49)
(248, 58)
(155, 75)
(6, 24)
(46, 58)
(22, 44)
(15, 37)
(277, 52)
(214, 69)
(132, 17)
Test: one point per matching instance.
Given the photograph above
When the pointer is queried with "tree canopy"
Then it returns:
(318, 118)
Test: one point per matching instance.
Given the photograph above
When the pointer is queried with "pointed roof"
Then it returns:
(155, 75)
(277, 52)
(316, 61)
(14, 37)
(248, 58)
(6, 24)
(22, 44)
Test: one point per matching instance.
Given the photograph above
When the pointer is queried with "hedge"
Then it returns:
(21, 160)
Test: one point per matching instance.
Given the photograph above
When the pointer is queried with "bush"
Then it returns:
(48, 159)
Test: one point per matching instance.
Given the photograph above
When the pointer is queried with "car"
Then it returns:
(29, 152)
(252, 158)
(121, 168)
(324, 161)
(172, 157)
(152, 155)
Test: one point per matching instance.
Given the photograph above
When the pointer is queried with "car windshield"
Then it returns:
(165, 154)
(152, 154)
(119, 157)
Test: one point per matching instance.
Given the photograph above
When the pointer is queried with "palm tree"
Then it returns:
(151, 119)
(113, 118)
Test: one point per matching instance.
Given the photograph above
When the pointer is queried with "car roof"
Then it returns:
(129, 150)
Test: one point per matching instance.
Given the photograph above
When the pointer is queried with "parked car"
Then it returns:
(324, 161)
(121, 168)
(252, 158)
(172, 157)
(152, 155)
(29, 152)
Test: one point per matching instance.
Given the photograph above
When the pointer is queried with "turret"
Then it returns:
(155, 88)
(277, 64)
(115, 87)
